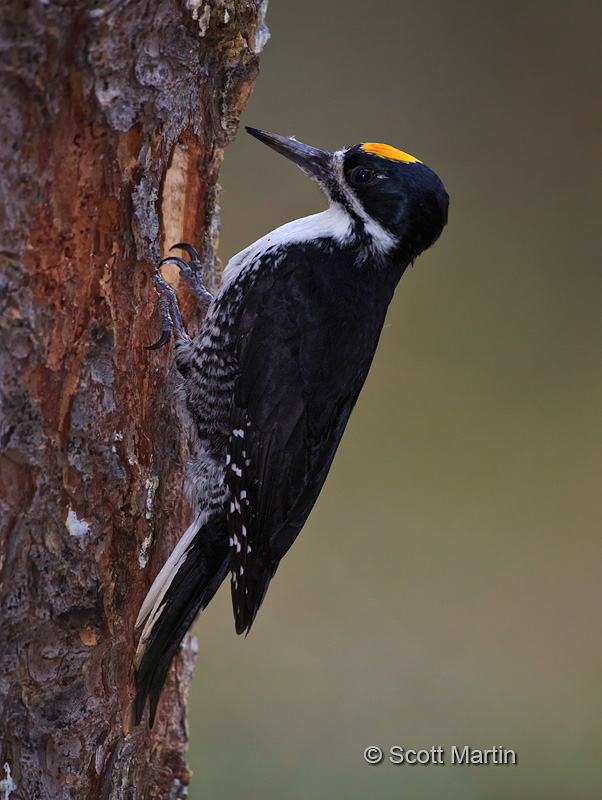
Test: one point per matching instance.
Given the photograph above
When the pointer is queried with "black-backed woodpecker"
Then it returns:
(270, 382)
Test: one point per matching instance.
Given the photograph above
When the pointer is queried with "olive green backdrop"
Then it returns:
(446, 589)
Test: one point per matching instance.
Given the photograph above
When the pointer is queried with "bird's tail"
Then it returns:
(191, 576)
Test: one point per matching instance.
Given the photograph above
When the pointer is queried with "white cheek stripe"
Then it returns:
(334, 223)
(382, 239)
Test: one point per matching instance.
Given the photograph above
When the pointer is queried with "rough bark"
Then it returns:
(114, 120)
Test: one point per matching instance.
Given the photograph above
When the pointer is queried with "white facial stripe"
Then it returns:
(382, 239)
(334, 223)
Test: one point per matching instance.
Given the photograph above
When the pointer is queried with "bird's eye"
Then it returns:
(362, 175)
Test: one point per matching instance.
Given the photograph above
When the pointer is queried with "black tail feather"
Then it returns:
(191, 590)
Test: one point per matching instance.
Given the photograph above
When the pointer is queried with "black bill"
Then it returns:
(316, 163)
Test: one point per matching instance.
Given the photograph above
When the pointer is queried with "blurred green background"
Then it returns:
(446, 589)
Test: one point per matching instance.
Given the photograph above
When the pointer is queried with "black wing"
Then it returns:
(306, 335)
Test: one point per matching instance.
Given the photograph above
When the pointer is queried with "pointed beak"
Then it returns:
(315, 163)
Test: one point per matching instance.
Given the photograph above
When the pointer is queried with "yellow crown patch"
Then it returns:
(386, 151)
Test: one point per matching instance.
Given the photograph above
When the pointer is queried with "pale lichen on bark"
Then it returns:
(98, 99)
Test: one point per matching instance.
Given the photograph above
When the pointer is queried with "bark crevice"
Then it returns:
(97, 100)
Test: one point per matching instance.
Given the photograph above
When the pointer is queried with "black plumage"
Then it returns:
(298, 381)
(191, 590)
(270, 382)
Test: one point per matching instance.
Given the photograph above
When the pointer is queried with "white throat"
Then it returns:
(334, 223)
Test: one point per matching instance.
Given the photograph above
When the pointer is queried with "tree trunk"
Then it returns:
(114, 120)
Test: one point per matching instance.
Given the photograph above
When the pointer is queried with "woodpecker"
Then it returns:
(270, 381)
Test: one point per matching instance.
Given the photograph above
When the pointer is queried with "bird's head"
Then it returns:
(398, 204)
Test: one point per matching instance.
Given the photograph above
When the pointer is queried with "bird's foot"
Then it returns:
(168, 302)
(191, 271)
(169, 311)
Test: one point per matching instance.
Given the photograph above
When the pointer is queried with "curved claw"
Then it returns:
(191, 271)
(187, 248)
(163, 340)
(174, 260)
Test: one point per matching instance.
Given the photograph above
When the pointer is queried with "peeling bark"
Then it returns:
(114, 120)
